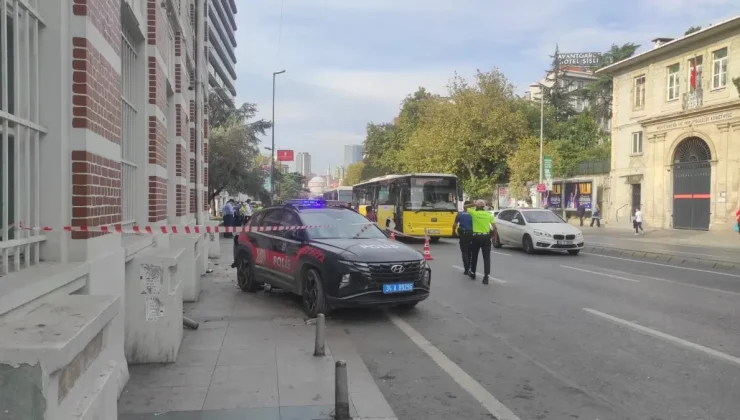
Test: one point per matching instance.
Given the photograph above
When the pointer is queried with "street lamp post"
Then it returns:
(272, 149)
(542, 134)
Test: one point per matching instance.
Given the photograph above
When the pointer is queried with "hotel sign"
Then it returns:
(695, 121)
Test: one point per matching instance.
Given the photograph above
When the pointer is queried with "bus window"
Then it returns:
(432, 194)
(383, 195)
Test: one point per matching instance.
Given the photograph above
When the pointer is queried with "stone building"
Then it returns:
(102, 125)
(676, 131)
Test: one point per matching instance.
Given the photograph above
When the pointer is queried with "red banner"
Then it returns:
(285, 156)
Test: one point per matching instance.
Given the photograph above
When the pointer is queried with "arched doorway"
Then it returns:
(692, 183)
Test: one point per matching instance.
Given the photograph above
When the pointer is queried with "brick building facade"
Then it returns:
(99, 102)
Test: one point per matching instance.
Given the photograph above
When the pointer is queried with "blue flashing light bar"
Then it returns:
(307, 203)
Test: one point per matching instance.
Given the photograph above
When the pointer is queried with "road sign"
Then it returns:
(541, 188)
(548, 184)
(547, 167)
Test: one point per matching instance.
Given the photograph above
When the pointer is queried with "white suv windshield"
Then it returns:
(544, 216)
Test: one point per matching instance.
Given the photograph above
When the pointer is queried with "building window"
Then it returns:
(639, 92)
(694, 73)
(130, 87)
(637, 143)
(719, 69)
(20, 135)
(673, 78)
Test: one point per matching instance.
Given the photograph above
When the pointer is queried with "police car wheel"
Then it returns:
(314, 298)
(496, 241)
(245, 275)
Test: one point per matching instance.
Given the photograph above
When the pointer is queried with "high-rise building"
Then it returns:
(339, 172)
(352, 154)
(221, 43)
(303, 163)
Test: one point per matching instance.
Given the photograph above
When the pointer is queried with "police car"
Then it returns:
(336, 259)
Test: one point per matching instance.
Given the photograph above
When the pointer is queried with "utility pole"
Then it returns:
(272, 149)
(542, 134)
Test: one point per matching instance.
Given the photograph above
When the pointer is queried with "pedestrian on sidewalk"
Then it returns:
(229, 216)
(483, 225)
(637, 222)
(596, 216)
(737, 225)
(463, 225)
(581, 212)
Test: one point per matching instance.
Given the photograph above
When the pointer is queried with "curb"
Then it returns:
(663, 258)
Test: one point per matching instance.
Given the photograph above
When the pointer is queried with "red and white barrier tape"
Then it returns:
(195, 229)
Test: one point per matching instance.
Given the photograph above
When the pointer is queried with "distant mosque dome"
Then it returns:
(316, 186)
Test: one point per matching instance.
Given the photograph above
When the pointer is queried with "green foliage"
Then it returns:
(233, 148)
(290, 185)
(692, 29)
(736, 82)
(354, 174)
(524, 164)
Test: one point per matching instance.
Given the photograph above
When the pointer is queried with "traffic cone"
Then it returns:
(393, 235)
(427, 251)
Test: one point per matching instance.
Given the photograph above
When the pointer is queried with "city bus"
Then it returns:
(413, 204)
(343, 194)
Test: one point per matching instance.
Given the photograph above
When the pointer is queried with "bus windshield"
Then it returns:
(432, 194)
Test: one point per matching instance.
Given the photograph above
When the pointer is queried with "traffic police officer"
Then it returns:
(483, 224)
(463, 224)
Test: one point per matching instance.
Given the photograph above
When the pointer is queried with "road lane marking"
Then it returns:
(479, 275)
(665, 265)
(488, 401)
(501, 253)
(668, 251)
(696, 286)
(675, 340)
(600, 274)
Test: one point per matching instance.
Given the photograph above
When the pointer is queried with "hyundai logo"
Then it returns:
(398, 269)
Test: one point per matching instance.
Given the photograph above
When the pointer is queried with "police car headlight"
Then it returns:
(541, 233)
(423, 264)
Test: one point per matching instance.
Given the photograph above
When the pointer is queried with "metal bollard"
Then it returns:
(320, 346)
(341, 392)
(189, 323)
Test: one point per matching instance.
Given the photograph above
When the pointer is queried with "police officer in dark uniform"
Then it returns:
(483, 225)
(463, 225)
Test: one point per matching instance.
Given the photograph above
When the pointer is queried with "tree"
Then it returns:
(599, 92)
(354, 173)
(469, 134)
(692, 29)
(559, 95)
(230, 162)
(234, 148)
(290, 185)
(524, 165)
(381, 147)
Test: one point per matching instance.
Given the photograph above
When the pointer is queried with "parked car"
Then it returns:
(335, 259)
(535, 230)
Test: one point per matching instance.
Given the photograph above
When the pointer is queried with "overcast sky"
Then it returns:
(349, 62)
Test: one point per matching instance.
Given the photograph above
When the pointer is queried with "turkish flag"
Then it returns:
(693, 74)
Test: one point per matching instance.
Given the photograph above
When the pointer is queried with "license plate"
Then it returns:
(433, 231)
(565, 242)
(398, 288)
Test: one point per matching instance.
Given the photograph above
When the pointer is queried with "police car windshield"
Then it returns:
(338, 224)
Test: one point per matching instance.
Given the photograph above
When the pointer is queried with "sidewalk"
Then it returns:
(251, 359)
(687, 247)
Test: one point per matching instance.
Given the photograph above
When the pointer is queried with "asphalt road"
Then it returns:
(559, 337)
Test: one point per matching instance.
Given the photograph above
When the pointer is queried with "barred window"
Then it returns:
(20, 134)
